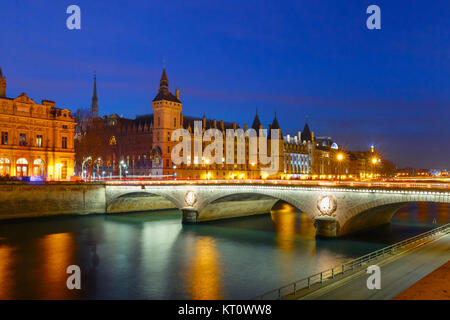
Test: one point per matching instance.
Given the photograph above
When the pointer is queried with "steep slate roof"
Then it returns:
(306, 133)
(275, 125)
(163, 92)
(256, 123)
(144, 119)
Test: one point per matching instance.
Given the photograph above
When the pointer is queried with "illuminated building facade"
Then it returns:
(143, 146)
(37, 140)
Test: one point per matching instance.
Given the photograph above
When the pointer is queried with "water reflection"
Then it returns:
(204, 271)
(6, 271)
(152, 256)
(56, 253)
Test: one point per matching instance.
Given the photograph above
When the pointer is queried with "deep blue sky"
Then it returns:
(387, 87)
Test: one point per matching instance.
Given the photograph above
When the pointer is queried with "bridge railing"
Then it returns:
(352, 265)
(322, 183)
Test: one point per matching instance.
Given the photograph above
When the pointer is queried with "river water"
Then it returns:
(151, 255)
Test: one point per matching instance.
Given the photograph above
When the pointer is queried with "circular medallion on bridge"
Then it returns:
(326, 204)
(190, 198)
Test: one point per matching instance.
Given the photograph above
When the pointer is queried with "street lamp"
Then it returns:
(374, 162)
(82, 165)
(339, 158)
(207, 173)
(121, 164)
(97, 161)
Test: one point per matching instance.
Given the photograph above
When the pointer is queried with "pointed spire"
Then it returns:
(94, 103)
(275, 124)
(306, 133)
(164, 82)
(2, 84)
(256, 122)
(95, 85)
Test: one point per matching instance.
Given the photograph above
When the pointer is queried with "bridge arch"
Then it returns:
(378, 212)
(135, 201)
(244, 203)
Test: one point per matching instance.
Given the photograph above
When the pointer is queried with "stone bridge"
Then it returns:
(335, 209)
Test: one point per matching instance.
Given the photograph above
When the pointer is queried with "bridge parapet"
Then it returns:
(335, 209)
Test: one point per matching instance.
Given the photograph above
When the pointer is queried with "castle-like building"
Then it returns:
(143, 146)
(37, 140)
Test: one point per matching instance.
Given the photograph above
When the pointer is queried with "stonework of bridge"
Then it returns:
(335, 210)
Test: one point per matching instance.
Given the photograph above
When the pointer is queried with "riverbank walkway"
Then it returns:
(398, 273)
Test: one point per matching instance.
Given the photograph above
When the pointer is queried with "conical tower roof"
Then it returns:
(163, 92)
(306, 133)
(256, 122)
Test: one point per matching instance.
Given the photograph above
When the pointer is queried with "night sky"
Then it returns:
(302, 59)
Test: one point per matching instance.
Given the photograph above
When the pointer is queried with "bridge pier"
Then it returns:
(190, 215)
(326, 227)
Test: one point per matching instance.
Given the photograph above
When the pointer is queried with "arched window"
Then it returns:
(22, 167)
(38, 168)
(5, 166)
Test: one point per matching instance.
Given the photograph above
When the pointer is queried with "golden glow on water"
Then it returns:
(285, 224)
(423, 212)
(6, 267)
(56, 252)
(443, 210)
(289, 224)
(204, 273)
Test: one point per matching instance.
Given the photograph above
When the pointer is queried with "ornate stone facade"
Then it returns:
(143, 146)
(37, 140)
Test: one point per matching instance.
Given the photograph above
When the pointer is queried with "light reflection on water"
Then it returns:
(153, 256)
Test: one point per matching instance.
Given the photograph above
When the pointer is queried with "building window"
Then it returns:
(39, 141)
(5, 166)
(22, 167)
(4, 138)
(64, 142)
(64, 170)
(23, 139)
(64, 126)
(174, 122)
(112, 141)
(159, 122)
(167, 163)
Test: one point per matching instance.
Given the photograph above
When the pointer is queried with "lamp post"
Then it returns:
(374, 161)
(122, 163)
(97, 161)
(207, 173)
(339, 158)
(82, 166)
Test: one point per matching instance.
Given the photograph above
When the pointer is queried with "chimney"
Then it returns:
(177, 93)
(312, 136)
(245, 127)
(215, 123)
(222, 125)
